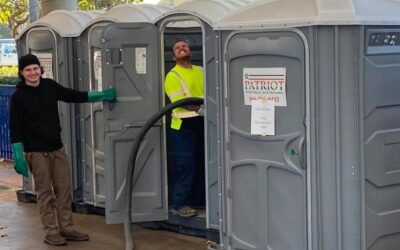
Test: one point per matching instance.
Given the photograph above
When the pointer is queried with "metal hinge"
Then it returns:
(230, 240)
(228, 146)
(306, 121)
(227, 102)
(229, 193)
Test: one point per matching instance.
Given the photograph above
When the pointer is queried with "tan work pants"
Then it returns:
(51, 173)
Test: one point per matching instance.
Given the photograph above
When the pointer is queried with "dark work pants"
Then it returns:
(186, 157)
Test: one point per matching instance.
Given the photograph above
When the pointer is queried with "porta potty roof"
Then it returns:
(208, 10)
(172, 2)
(132, 13)
(295, 13)
(65, 23)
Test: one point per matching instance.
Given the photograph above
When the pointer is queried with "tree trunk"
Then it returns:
(34, 12)
(171, 2)
(47, 6)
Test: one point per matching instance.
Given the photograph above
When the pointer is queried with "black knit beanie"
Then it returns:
(26, 60)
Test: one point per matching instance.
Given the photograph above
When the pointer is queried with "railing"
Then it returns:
(5, 146)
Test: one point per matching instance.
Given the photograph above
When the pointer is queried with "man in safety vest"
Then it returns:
(186, 133)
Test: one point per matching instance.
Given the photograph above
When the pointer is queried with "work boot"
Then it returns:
(75, 235)
(185, 212)
(55, 240)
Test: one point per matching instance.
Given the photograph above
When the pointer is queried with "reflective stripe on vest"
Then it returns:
(186, 92)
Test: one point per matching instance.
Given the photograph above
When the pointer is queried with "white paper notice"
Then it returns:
(266, 84)
(140, 60)
(262, 117)
(46, 61)
(97, 69)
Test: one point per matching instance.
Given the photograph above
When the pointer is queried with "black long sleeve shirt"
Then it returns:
(34, 118)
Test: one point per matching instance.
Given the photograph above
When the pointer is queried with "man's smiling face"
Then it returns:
(31, 73)
(181, 51)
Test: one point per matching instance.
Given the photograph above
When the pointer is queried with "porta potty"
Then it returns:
(98, 155)
(311, 125)
(53, 40)
(136, 57)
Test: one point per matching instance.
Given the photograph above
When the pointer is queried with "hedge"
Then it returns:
(9, 75)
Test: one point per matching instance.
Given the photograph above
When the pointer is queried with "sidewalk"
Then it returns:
(20, 227)
(9, 182)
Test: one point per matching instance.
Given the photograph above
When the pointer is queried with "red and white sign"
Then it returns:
(46, 61)
(265, 84)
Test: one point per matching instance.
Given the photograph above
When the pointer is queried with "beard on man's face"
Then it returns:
(187, 57)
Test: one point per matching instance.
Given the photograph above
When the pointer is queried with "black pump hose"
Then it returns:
(132, 159)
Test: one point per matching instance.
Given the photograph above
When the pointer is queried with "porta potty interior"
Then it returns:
(327, 175)
(138, 55)
(53, 40)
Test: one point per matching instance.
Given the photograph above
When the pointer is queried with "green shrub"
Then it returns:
(9, 75)
(9, 80)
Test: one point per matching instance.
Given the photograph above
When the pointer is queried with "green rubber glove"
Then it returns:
(106, 95)
(20, 163)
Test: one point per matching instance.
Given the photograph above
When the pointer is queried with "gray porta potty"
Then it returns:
(194, 21)
(137, 72)
(53, 39)
(329, 178)
(97, 149)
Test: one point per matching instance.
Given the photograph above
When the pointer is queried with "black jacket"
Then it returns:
(34, 119)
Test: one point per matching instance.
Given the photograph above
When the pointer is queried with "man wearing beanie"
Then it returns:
(36, 141)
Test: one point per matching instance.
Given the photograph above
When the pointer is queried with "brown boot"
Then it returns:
(75, 235)
(55, 240)
(186, 212)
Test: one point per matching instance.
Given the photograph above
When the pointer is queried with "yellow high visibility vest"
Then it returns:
(182, 83)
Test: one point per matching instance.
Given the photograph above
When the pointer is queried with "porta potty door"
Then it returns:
(265, 178)
(132, 66)
(381, 132)
(92, 126)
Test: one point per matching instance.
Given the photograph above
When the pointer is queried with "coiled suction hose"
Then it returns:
(132, 159)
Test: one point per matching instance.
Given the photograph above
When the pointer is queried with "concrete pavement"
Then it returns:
(20, 227)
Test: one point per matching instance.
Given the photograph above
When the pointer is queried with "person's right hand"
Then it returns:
(20, 165)
(108, 95)
(200, 111)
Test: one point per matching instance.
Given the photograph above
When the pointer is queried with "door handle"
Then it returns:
(301, 155)
(300, 152)
(111, 105)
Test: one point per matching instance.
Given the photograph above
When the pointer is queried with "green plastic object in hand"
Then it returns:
(20, 163)
(108, 95)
